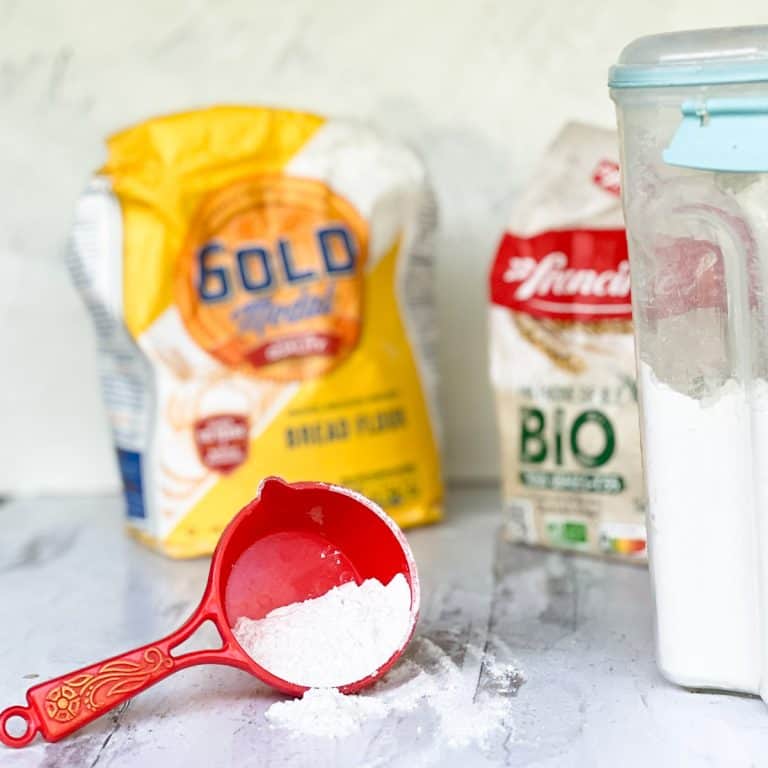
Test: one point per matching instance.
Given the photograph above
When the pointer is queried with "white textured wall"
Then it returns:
(478, 86)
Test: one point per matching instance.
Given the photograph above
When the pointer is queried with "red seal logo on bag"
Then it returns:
(607, 176)
(222, 441)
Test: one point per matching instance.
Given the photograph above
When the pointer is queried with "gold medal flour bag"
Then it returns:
(562, 356)
(260, 284)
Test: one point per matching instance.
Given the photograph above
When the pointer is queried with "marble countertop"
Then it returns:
(75, 589)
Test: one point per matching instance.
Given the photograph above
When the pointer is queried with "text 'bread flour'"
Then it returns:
(562, 356)
(260, 281)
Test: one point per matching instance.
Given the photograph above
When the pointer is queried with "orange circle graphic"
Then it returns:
(270, 278)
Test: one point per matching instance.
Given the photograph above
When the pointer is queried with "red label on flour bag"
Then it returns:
(222, 441)
(568, 274)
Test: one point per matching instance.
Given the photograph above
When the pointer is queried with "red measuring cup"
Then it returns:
(276, 551)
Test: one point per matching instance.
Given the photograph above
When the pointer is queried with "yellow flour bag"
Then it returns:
(260, 282)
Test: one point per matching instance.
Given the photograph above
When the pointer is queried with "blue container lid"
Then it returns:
(699, 57)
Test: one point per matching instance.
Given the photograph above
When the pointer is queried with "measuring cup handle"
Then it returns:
(63, 705)
(67, 703)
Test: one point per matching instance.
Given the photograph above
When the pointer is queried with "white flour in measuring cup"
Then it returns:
(338, 638)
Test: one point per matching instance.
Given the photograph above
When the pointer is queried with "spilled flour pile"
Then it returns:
(348, 634)
(332, 640)
(427, 681)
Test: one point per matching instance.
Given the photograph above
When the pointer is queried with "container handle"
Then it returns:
(728, 135)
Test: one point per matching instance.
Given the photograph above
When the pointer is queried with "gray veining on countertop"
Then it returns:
(75, 589)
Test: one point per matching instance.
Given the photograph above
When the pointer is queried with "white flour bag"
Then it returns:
(562, 356)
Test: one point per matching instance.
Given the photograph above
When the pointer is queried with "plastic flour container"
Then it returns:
(693, 116)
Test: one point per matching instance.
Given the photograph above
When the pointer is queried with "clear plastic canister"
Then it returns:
(693, 113)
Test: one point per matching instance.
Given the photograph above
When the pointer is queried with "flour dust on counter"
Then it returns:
(427, 685)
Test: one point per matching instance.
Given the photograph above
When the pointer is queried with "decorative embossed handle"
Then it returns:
(63, 705)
